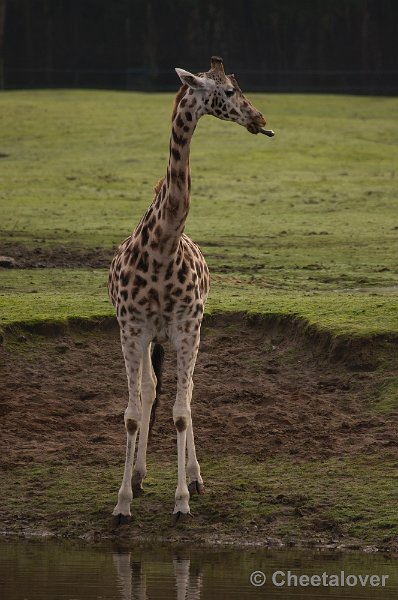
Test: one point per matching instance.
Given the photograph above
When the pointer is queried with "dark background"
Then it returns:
(271, 45)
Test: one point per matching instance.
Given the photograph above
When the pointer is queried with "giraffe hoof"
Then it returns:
(195, 487)
(138, 490)
(180, 517)
(118, 520)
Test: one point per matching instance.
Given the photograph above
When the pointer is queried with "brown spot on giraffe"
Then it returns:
(176, 154)
(158, 231)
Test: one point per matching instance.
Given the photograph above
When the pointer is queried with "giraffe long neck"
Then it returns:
(173, 198)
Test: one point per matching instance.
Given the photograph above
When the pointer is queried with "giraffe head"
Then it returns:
(219, 95)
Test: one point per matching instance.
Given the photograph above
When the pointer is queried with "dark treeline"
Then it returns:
(336, 45)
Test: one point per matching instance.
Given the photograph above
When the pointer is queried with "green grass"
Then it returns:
(348, 498)
(35, 295)
(387, 397)
(306, 223)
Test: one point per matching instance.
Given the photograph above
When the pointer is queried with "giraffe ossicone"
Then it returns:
(159, 283)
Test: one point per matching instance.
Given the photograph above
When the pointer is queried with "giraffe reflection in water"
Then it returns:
(132, 577)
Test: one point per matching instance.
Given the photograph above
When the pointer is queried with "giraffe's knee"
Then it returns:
(132, 417)
(181, 412)
(181, 423)
(131, 426)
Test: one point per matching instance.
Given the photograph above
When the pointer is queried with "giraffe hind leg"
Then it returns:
(195, 485)
(187, 345)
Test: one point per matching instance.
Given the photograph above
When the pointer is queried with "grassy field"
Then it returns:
(35, 295)
(303, 224)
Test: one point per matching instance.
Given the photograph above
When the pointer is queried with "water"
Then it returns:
(48, 570)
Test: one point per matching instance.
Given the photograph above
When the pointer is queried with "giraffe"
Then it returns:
(159, 283)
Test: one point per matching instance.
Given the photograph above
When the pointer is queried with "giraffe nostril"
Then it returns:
(260, 119)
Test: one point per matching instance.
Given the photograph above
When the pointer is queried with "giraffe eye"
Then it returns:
(230, 92)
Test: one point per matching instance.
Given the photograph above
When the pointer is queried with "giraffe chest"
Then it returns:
(158, 293)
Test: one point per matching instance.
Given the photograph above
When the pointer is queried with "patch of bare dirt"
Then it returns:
(59, 256)
(256, 392)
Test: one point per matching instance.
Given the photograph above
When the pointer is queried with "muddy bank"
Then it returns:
(256, 392)
(260, 393)
(22, 257)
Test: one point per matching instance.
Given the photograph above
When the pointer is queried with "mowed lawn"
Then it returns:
(304, 224)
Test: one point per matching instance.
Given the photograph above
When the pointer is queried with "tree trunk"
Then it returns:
(75, 23)
(50, 42)
(28, 42)
(2, 27)
(151, 53)
(127, 42)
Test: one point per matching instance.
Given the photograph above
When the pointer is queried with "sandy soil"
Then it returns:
(255, 393)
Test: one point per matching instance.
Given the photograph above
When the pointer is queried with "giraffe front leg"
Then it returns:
(181, 507)
(132, 351)
(132, 418)
(187, 348)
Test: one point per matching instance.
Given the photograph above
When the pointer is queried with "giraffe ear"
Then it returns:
(192, 81)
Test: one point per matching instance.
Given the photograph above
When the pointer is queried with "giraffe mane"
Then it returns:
(178, 98)
(158, 186)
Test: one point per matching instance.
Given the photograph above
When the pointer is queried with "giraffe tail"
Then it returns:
(157, 364)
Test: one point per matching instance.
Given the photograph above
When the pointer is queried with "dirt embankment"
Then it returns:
(263, 389)
(22, 257)
(257, 392)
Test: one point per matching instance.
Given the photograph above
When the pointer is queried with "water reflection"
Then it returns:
(56, 570)
(131, 577)
(133, 584)
(188, 583)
